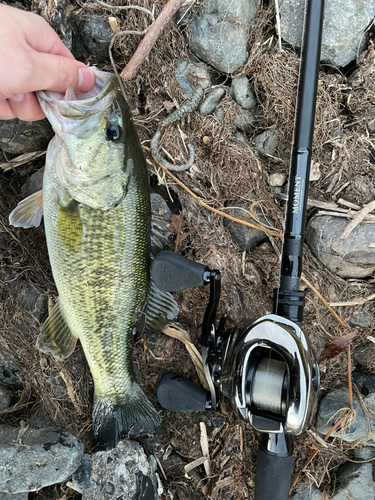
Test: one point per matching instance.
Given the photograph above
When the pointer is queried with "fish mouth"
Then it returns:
(80, 106)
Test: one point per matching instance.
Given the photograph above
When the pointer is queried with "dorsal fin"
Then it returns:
(56, 338)
(28, 212)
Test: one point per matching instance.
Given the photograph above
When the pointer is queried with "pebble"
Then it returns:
(364, 355)
(355, 481)
(244, 120)
(124, 472)
(266, 143)
(33, 300)
(238, 135)
(33, 184)
(344, 27)
(219, 31)
(361, 319)
(208, 106)
(10, 374)
(276, 179)
(242, 92)
(351, 257)
(5, 397)
(31, 459)
(245, 237)
(219, 113)
(186, 71)
(18, 137)
(159, 205)
(310, 493)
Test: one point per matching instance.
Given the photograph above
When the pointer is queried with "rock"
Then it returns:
(10, 374)
(189, 76)
(311, 493)
(33, 300)
(218, 33)
(36, 458)
(208, 106)
(330, 405)
(276, 179)
(365, 453)
(5, 397)
(365, 355)
(18, 137)
(345, 22)
(33, 184)
(266, 143)
(349, 258)
(124, 472)
(366, 384)
(355, 482)
(245, 237)
(243, 120)
(19, 496)
(92, 39)
(242, 92)
(362, 319)
(159, 205)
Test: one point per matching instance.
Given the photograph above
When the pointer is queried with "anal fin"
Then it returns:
(56, 338)
(28, 212)
(161, 309)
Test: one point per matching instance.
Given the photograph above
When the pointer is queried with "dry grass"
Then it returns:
(226, 173)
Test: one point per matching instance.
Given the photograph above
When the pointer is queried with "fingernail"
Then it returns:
(17, 98)
(85, 80)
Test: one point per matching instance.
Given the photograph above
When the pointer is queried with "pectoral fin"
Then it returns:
(28, 212)
(56, 338)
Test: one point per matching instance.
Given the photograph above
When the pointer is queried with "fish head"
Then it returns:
(92, 136)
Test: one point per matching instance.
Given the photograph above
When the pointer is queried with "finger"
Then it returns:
(6, 112)
(57, 73)
(26, 107)
(42, 38)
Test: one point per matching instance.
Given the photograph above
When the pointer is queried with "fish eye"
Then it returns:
(113, 132)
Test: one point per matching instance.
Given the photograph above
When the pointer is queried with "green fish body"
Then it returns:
(97, 218)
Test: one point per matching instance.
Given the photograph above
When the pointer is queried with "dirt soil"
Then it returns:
(226, 172)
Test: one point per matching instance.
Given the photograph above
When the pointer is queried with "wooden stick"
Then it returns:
(144, 48)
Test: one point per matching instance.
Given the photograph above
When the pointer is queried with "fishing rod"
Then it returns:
(265, 367)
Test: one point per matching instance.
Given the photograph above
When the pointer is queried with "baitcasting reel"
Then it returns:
(266, 368)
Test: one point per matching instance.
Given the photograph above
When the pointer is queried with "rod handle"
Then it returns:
(274, 467)
(172, 272)
(176, 393)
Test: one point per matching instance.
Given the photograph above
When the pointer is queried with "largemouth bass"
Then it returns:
(97, 217)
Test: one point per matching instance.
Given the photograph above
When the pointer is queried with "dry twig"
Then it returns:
(144, 48)
(358, 219)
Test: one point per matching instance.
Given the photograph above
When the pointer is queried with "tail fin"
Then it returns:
(132, 416)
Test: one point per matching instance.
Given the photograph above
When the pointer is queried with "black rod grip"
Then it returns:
(172, 272)
(176, 393)
(274, 468)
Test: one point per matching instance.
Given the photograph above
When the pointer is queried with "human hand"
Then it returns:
(32, 57)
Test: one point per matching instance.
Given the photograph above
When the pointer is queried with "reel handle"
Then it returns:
(274, 467)
(176, 393)
(172, 272)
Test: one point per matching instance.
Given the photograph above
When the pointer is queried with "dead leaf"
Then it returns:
(315, 173)
(333, 348)
(177, 226)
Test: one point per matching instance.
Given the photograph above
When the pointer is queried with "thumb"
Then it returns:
(57, 73)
